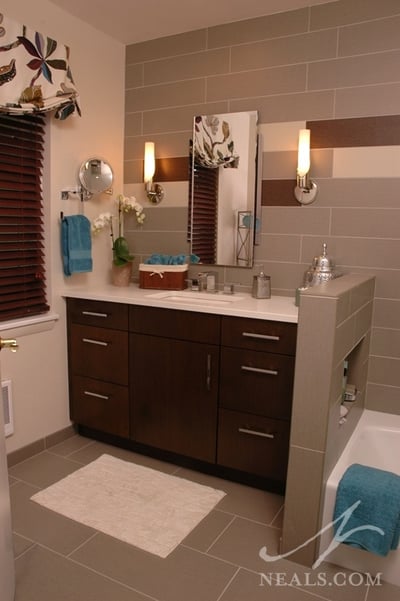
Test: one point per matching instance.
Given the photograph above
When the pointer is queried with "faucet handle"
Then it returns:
(202, 280)
(193, 283)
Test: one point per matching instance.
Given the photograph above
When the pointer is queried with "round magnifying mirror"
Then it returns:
(96, 176)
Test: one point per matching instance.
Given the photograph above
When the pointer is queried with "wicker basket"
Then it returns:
(163, 277)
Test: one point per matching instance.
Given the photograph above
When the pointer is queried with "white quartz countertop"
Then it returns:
(241, 304)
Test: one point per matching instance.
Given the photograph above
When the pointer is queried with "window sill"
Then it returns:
(28, 325)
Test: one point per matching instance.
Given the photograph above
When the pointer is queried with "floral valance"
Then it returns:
(34, 72)
(213, 144)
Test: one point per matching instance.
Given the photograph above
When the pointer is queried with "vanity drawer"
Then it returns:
(98, 313)
(256, 382)
(253, 444)
(100, 405)
(99, 353)
(180, 325)
(259, 335)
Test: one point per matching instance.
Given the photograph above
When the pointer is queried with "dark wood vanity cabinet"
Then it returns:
(211, 388)
(98, 365)
(255, 395)
(174, 364)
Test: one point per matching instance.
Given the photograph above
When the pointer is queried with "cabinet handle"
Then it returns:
(91, 341)
(95, 394)
(259, 370)
(256, 433)
(261, 336)
(93, 314)
(208, 376)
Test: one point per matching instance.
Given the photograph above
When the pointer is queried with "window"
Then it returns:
(22, 263)
(203, 212)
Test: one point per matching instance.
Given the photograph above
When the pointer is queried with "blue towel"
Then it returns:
(379, 510)
(161, 259)
(76, 244)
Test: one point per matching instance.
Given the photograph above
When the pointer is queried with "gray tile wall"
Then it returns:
(334, 325)
(331, 61)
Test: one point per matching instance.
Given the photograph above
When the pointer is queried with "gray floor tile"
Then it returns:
(36, 523)
(185, 575)
(45, 576)
(246, 501)
(43, 469)
(21, 544)
(328, 581)
(211, 527)
(386, 592)
(61, 560)
(92, 452)
(241, 542)
(70, 445)
(247, 586)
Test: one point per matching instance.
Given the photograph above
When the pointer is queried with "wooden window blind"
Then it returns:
(22, 262)
(202, 233)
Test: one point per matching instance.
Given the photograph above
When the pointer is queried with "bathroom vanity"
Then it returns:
(203, 385)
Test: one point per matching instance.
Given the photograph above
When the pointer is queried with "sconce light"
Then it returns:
(155, 192)
(306, 190)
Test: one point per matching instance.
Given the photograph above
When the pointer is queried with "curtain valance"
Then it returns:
(34, 72)
(213, 145)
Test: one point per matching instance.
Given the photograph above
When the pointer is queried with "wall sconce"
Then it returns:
(306, 190)
(155, 192)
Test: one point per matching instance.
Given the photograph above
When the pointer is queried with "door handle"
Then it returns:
(10, 343)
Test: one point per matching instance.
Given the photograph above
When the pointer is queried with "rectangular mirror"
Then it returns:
(224, 192)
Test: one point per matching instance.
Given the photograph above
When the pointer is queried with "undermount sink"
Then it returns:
(196, 298)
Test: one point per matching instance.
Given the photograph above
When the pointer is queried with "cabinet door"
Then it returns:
(174, 395)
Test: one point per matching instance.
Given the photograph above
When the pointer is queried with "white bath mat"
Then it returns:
(141, 506)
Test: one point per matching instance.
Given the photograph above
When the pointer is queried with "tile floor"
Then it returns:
(58, 559)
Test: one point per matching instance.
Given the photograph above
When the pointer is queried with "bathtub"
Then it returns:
(375, 442)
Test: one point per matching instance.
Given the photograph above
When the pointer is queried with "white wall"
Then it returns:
(39, 369)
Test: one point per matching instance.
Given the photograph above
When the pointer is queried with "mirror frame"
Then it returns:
(96, 176)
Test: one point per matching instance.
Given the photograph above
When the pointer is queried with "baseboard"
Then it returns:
(40, 445)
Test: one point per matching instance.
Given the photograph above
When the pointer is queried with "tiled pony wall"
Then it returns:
(333, 67)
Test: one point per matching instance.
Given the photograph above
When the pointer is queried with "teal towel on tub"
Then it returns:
(76, 244)
(379, 493)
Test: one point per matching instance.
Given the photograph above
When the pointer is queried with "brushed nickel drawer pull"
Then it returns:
(259, 370)
(93, 314)
(95, 394)
(256, 433)
(261, 336)
(91, 341)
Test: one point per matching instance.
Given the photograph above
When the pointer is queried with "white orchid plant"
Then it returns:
(125, 204)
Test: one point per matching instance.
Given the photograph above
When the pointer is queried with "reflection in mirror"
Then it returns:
(96, 176)
(223, 188)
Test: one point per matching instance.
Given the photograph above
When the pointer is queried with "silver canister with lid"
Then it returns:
(321, 270)
(261, 285)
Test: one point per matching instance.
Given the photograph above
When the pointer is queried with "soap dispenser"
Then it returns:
(261, 285)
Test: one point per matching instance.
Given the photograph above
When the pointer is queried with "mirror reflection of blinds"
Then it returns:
(203, 230)
(22, 262)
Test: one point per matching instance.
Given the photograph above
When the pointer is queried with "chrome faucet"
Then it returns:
(208, 281)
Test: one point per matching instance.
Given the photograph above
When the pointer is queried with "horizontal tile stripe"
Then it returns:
(278, 192)
(360, 131)
(280, 136)
(172, 169)
(366, 162)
